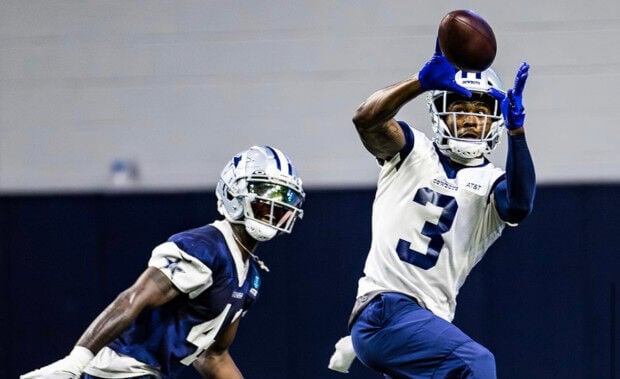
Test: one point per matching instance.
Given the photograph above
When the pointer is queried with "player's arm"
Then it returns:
(151, 289)
(216, 362)
(514, 195)
(374, 118)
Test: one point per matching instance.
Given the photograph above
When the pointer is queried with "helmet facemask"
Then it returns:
(445, 122)
(270, 207)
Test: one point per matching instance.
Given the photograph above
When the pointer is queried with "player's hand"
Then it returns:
(58, 370)
(55, 375)
(70, 367)
(511, 103)
(343, 357)
(438, 74)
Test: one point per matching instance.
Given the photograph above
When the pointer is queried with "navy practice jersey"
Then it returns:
(431, 224)
(218, 287)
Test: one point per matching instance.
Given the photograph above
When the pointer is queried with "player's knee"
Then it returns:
(484, 355)
(482, 361)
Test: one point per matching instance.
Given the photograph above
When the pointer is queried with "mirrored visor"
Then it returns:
(276, 192)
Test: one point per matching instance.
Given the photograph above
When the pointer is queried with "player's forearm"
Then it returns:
(383, 105)
(515, 196)
(109, 324)
(152, 289)
(521, 176)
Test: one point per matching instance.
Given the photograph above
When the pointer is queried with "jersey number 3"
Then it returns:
(433, 231)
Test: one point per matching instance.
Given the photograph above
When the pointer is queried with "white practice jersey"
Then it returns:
(431, 224)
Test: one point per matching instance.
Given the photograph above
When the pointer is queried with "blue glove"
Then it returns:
(438, 74)
(511, 103)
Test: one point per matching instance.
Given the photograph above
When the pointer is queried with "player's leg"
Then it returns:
(390, 337)
(395, 336)
(469, 360)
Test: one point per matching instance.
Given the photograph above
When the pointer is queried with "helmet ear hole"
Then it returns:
(236, 209)
(229, 205)
(235, 205)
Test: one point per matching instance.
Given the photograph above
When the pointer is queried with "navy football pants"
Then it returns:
(395, 336)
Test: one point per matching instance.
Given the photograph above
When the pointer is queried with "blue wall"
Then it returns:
(544, 299)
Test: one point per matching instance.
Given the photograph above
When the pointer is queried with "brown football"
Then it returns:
(467, 40)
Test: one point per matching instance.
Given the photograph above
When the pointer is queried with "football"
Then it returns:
(467, 40)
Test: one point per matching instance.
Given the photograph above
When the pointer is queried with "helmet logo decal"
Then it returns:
(469, 81)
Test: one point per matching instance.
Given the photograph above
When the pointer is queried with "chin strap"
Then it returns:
(466, 161)
(446, 151)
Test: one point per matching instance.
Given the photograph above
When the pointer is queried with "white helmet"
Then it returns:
(446, 138)
(260, 188)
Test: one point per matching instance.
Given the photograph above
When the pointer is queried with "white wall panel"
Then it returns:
(179, 87)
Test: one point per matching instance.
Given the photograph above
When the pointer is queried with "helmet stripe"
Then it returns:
(280, 157)
(275, 156)
(290, 165)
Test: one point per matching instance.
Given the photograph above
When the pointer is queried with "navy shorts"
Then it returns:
(397, 337)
